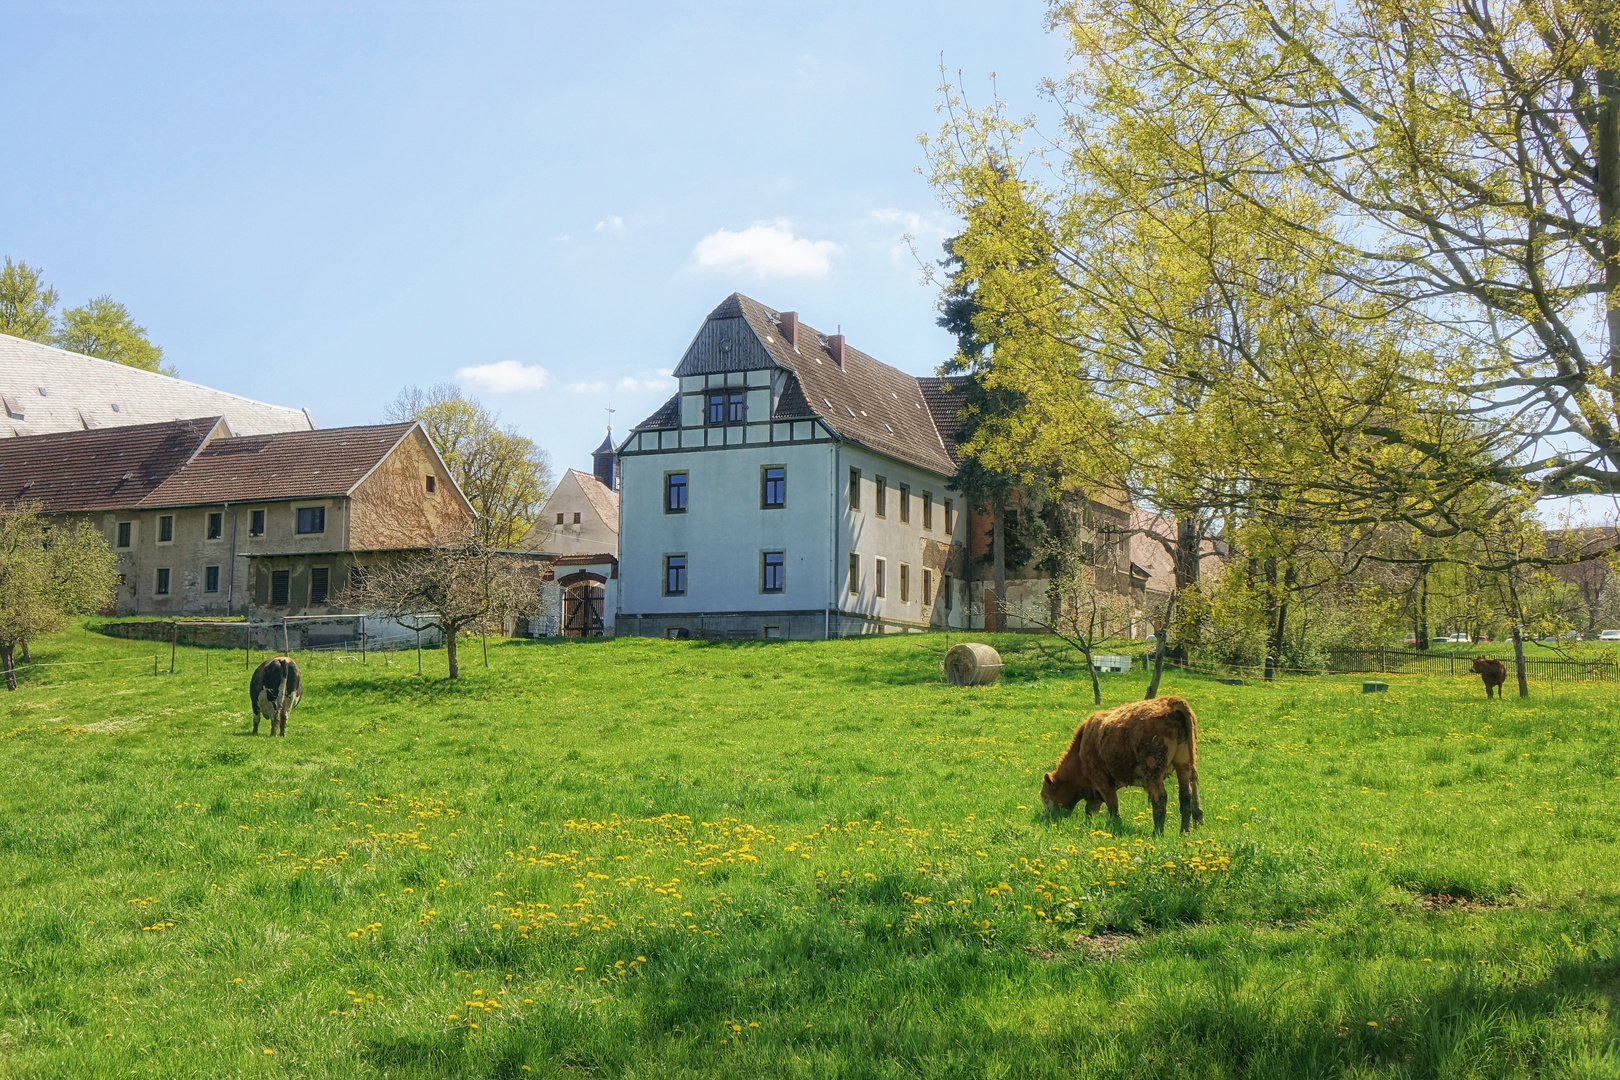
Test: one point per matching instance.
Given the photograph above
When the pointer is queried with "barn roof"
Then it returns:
(103, 469)
(285, 465)
(189, 463)
(45, 389)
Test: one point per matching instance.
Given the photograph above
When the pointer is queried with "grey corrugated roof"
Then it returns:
(84, 393)
(864, 400)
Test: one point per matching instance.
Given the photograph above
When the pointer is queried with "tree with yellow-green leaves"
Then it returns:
(47, 575)
(504, 475)
(1328, 267)
(101, 327)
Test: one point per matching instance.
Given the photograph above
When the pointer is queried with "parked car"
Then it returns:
(1609, 635)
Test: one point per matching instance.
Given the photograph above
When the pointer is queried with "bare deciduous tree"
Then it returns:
(455, 585)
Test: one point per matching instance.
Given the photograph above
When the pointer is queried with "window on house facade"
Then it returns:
(854, 489)
(675, 493)
(432, 484)
(312, 519)
(879, 578)
(216, 526)
(905, 583)
(773, 487)
(576, 517)
(162, 584)
(280, 587)
(945, 591)
(880, 496)
(320, 584)
(854, 574)
(256, 527)
(950, 516)
(559, 519)
(166, 529)
(905, 503)
(210, 579)
(928, 509)
(124, 530)
(674, 575)
(928, 587)
(727, 406)
(773, 572)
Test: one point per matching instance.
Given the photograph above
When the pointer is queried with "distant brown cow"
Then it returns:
(1134, 744)
(1494, 672)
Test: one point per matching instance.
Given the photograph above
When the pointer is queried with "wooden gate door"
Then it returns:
(582, 609)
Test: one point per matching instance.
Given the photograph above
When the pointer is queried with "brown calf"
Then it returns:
(1138, 743)
(1494, 672)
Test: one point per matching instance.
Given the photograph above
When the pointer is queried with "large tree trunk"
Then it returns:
(450, 653)
(1158, 654)
(998, 560)
(27, 657)
(8, 660)
(1280, 626)
(1422, 634)
(1518, 661)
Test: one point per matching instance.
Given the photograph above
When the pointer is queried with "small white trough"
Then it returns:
(1111, 665)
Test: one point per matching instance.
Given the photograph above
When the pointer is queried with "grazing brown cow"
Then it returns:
(1494, 672)
(1138, 743)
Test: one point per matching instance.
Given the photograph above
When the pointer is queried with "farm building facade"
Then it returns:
(205, 522)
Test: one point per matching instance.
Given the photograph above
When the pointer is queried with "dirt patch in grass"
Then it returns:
(1444, 901)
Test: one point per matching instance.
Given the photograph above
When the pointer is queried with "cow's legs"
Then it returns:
(1198, 806)
(1184, 796)
(1092, 806)
(1110, 795)
(256, 718)
(1159, 798)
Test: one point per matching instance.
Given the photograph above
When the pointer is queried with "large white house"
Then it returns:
(793, 487)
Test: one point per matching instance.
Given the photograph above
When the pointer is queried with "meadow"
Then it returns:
(646, 858)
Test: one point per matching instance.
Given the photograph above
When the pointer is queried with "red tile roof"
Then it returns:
(287, 465)
(188, 463)
(73, 472)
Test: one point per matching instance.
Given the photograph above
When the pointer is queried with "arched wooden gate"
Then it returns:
(584, 594)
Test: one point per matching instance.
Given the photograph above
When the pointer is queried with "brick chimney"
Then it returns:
(790, 328)
(835, 345)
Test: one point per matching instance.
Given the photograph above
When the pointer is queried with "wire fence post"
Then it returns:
(174, 643)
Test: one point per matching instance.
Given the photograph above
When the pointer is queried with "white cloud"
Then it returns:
(919, 233)
(613, 223)
(587, 387)
(505, 376)
(769, 250)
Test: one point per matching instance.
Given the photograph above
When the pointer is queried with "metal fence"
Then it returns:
(1412, 662)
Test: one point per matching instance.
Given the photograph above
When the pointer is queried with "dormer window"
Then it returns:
(727, 406)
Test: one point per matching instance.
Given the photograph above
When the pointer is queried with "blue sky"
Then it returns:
(317, 204)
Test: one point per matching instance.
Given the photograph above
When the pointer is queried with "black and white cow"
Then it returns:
(275, 689)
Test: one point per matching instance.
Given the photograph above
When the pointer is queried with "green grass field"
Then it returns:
(649, 858)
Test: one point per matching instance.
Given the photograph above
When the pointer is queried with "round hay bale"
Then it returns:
(972, 664)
